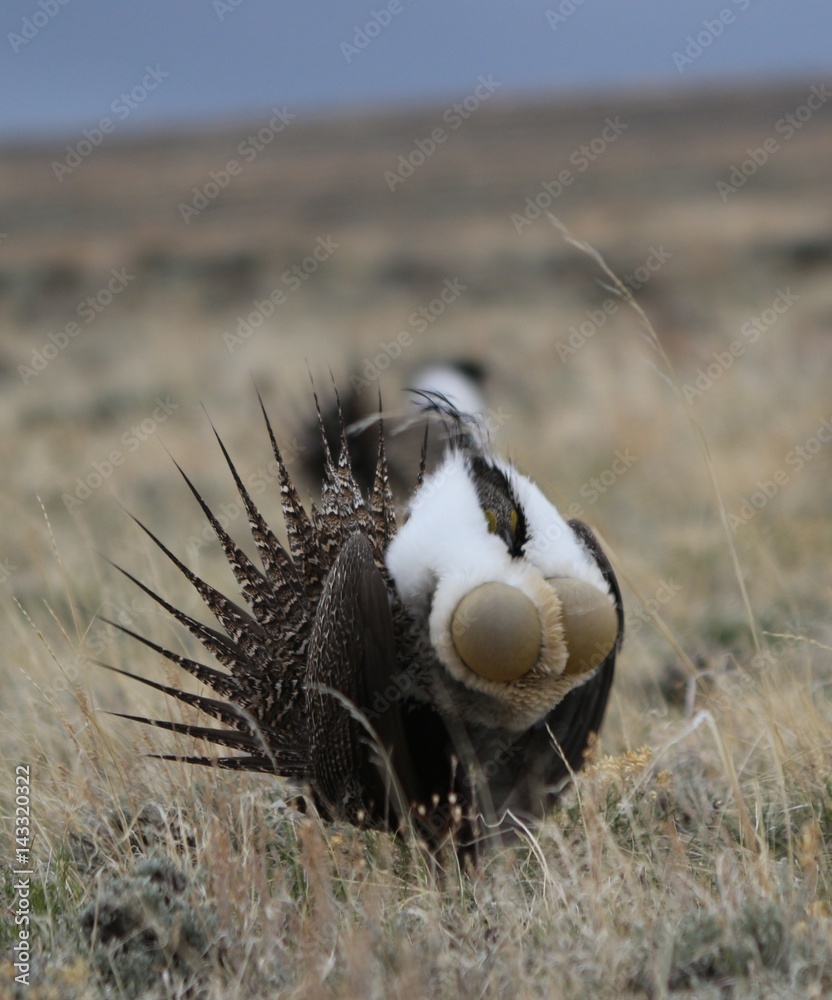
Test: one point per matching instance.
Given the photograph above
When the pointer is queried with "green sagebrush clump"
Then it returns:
(150, 923)
(710, 947)
(759, 942)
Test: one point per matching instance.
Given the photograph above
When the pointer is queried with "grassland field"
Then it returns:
(692, 856)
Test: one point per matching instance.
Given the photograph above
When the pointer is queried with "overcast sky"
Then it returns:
(66, 62)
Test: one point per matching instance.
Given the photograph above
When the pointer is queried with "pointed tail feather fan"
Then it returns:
(443, 678)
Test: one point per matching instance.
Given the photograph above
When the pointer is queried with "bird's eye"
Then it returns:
(491, 521)
(514, 520)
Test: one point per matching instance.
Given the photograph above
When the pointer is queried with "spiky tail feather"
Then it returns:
(263, 697)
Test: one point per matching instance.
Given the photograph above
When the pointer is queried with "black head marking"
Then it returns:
(502, 510)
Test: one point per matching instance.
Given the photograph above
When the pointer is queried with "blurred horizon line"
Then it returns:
(661, 89)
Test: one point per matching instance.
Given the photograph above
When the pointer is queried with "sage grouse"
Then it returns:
(441, 678)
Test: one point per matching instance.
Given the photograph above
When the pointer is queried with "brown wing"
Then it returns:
(360, 756)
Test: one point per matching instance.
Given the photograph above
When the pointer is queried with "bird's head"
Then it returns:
(515, 606)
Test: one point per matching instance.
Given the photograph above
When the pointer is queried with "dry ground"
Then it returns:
(693, 856)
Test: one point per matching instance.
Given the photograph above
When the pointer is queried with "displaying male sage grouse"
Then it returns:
(443, 677)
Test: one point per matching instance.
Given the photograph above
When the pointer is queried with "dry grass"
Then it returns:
(693, 856)
(653, 879)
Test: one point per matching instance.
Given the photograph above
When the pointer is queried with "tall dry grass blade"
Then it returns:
(747, 831)
(799, 638)
(61, 569)
(653, 339)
